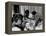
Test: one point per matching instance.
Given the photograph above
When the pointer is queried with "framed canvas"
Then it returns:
(22, 17)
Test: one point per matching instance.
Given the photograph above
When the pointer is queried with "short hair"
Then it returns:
(33, 12)
(27, 13)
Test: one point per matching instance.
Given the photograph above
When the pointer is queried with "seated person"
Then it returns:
(17, 21)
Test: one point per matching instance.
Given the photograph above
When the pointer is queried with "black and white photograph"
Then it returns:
(27, 18)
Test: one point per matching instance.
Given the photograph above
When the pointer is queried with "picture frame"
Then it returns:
(8, 17)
